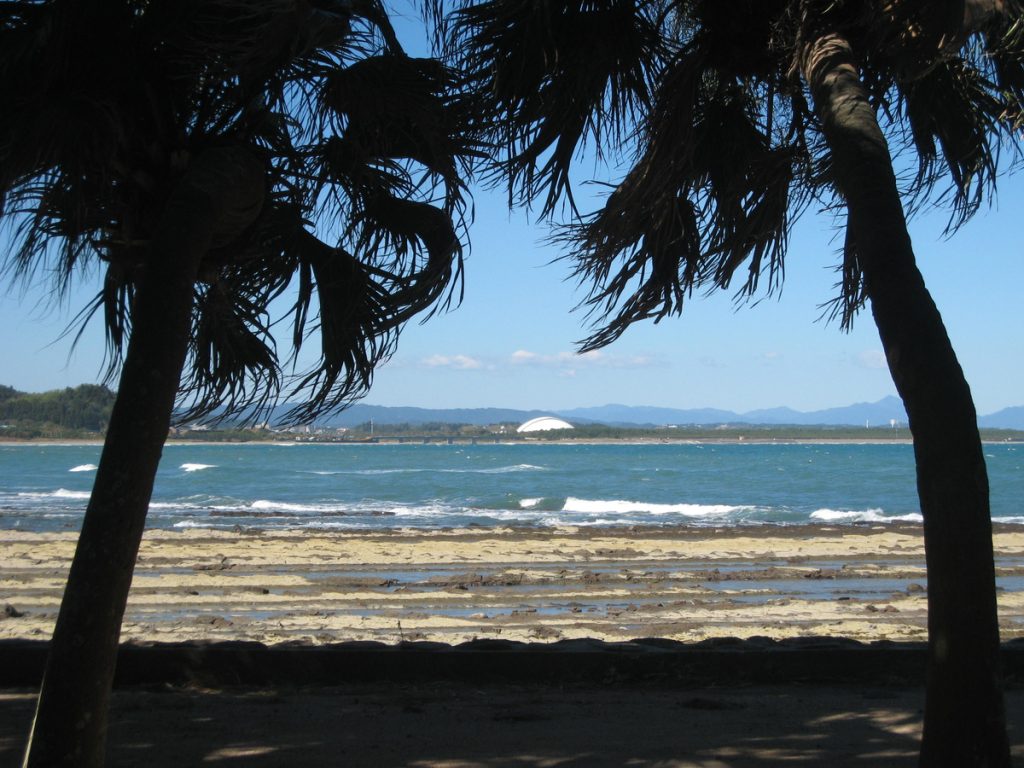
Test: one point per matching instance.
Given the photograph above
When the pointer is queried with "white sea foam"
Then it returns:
(330, 472)
(863, 516)
(507, 470)
(196, 467)
(63, 493)
(418, 470)
(284, 506)
(614, 506)
(429, 510)
(60, 493)
(529, 503)
(399, 471)
(83, 468)
(199, 501)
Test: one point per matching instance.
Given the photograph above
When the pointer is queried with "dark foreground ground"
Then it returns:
(459, 725)
(655, 705)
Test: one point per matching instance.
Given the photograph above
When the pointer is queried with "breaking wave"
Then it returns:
(614, 506)
(418, 470)
(60, 493)
(863, 516)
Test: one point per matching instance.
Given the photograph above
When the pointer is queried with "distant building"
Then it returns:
(543, 424)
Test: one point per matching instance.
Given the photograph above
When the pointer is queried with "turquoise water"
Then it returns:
(429, 486)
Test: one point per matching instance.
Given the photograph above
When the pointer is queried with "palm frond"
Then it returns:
(913, 36)
(113, 302)
(741, 37)
(395, 107)
(1004, 55)
(851, 292)
(550, 75)
(424, 253)
(639, 266)
(363, 307)
(233, 362)
(355, 335)
(708, 192)
(954, 119)
(108, 101)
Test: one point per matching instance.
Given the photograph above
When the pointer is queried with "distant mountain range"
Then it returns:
(88, 407)
(1008, 418)
(873, 414)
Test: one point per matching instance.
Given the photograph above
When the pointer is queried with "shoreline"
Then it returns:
(98, 442)
(481, 441)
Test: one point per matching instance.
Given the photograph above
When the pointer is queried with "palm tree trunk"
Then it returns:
(964, 722)
(71, 717)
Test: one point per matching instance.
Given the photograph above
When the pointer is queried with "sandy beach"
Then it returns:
(298, 591)
(687, 584)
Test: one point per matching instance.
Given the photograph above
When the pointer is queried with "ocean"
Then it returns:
(346, 487)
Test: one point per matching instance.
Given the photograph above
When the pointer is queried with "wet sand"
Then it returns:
(688, 584)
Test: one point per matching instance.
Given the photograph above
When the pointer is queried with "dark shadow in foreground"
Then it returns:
(573, 704)
(462, 725)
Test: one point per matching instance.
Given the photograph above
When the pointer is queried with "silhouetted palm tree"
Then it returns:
(732, 117)
(188, 147)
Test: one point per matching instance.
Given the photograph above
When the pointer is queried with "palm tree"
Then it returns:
(190, 148)
(731, 118)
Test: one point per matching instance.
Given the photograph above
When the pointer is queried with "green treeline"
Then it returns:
(429, 428)
(82, 408)
(507, 431)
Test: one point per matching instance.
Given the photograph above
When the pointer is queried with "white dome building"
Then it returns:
(543, 424)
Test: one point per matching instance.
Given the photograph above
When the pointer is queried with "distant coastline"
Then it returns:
(731, 440)
(85, 410)
(80, 416)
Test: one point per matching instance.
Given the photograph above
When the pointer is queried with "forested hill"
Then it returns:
(85, 407)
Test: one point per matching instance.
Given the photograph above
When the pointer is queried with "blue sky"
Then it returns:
(511, 342)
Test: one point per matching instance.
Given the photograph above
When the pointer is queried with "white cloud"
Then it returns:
(456, 362)
(566, 364)
(523, 356)
(571, 361)
(872, 358)
(709, 361)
